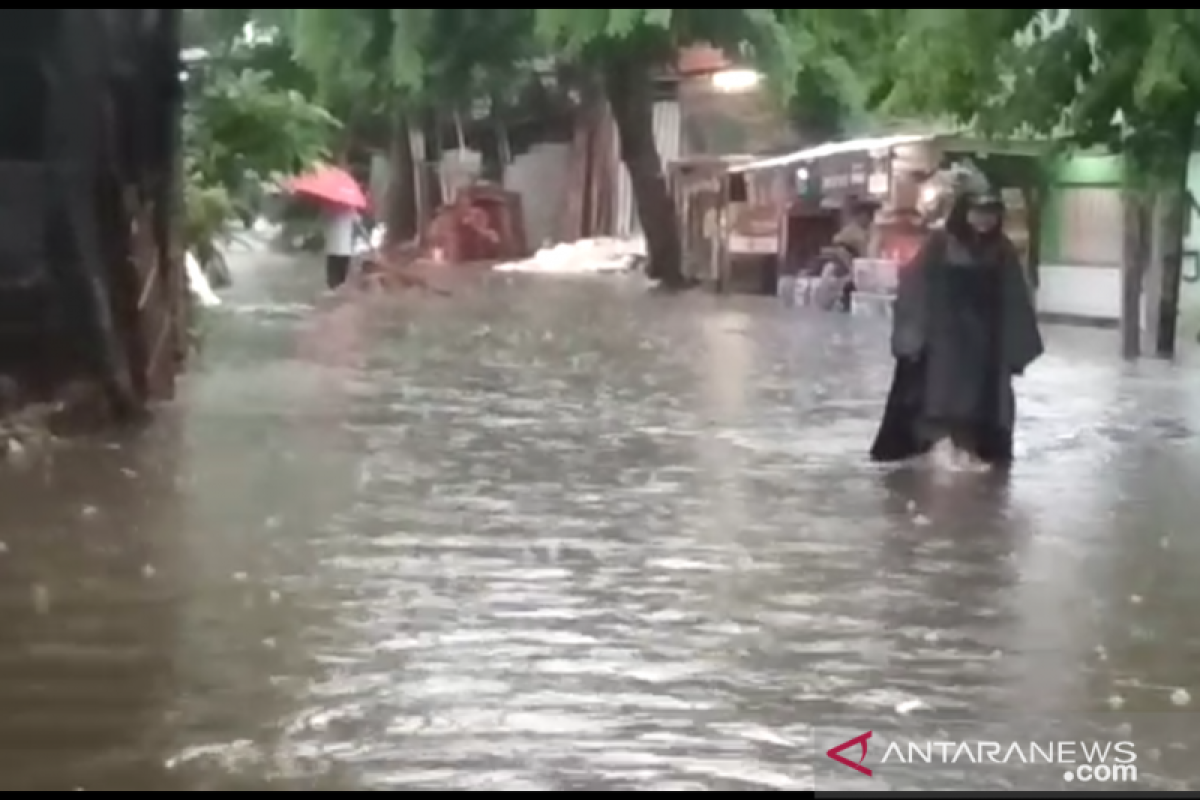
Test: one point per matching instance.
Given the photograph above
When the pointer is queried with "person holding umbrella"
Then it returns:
(342, 200)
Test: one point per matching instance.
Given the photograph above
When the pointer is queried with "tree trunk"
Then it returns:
(1136, 244)
(491, 163)
(503, 143)
(1032, 198)
(402, 187)
(495, 150)
(1171, 234)
(627, 85)
(432, 134)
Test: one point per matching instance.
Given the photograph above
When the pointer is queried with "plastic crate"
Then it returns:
(876, 275)
(797, 290)
(870, 304)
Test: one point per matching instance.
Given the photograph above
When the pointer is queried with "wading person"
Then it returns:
(341, 223)
(835, 264)
(964, 324)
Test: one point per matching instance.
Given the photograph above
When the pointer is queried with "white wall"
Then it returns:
(1095, 292)
(1091, 292)
(540, 177)
(459, 168)
(1189, 294)
(1085, 294)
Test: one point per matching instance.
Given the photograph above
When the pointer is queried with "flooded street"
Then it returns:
(559, 534)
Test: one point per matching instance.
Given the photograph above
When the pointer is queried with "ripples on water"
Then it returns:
(555, 535)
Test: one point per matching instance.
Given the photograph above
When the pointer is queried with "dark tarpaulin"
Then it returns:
(964, 325)
(24, 34)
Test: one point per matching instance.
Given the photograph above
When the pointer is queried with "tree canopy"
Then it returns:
(1124, 78)
(1127, 79)
(247, 123)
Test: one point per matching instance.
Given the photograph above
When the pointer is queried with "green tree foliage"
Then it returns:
(1124, 78)
(242, 132)
(624, 49)
(1128, 79)
(398, 62)
(408, 61)
(819, 109)
(447, 55)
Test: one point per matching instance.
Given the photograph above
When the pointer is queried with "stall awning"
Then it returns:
(833, 149)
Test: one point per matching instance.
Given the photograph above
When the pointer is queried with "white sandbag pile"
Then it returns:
(198, 284)
(584, 257)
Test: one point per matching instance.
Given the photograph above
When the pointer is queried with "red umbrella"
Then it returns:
(331, 185)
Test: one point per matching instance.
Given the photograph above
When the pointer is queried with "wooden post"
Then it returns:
(1131, 274)
(401, 212)
(723, 225)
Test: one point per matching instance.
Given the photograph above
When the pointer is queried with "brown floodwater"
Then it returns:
(558, 534)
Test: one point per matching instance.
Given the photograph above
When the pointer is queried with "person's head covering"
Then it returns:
(988, 200)
(972, 191)
(943, 192)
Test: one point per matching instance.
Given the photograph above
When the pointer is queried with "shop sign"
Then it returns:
(853, 174)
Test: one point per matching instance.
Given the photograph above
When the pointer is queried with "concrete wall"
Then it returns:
(540, 176)
(1091, 293)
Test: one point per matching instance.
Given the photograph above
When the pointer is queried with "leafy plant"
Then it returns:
(242, 133)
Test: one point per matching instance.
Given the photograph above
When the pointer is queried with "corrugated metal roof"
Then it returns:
(833, 149)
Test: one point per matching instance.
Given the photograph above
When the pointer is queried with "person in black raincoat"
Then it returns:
(964, 324)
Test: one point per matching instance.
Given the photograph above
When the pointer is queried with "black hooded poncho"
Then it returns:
(964, 324)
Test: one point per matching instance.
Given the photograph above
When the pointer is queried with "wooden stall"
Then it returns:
(729, 222)
(700, 188)
(892, 172)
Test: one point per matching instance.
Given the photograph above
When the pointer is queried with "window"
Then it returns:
(1092, 227)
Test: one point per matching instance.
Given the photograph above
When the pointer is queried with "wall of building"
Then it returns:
(1189, 298)
(540, 176)
(1090, 290)
(1080, 273)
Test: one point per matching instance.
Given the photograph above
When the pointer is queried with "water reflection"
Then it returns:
(90, 607)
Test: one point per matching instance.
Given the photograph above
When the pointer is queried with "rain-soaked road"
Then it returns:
(556, 534)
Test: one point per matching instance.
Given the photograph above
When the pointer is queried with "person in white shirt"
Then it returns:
(340, 225)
